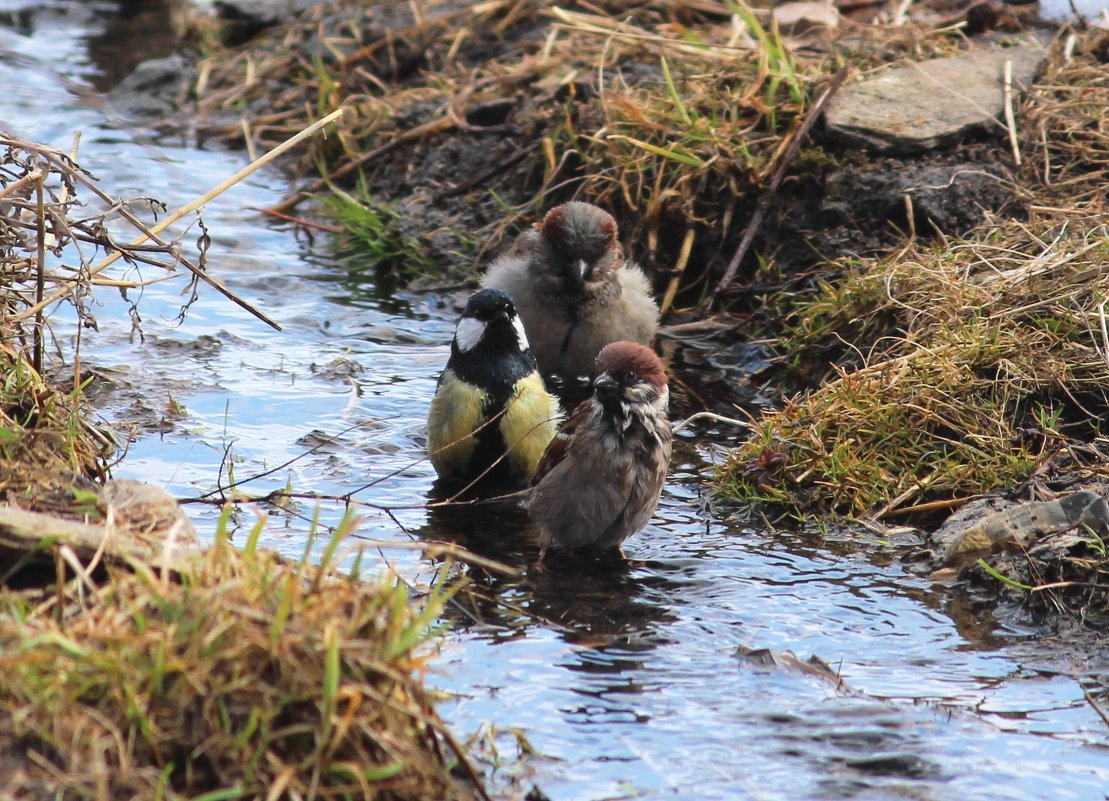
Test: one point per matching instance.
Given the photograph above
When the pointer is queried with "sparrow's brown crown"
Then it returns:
(624, 357)
(580, 230)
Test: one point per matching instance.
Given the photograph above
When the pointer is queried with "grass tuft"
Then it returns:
(370, 232)
(148, 687)
(981, 362)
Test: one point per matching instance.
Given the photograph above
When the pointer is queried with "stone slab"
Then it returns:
(931, 104)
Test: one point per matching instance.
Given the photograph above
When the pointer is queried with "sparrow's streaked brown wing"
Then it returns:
(559, 447)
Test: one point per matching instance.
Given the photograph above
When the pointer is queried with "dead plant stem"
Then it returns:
(779, 173)
(1010, 118)
(40, 278)
(148, 233)
(679, 270)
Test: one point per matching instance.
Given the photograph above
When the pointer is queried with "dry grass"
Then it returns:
(1064, 126)
(243, 677)
(53, 245)
(964, 366)
(45, 440)
(672, 114)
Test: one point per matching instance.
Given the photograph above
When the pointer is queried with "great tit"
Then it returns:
(491, 417)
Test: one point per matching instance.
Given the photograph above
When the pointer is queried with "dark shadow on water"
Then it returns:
(137, 31)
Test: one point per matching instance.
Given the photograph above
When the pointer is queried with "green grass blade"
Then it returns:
(1003, 579)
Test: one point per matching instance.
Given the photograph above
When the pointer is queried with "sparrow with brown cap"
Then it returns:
(574, 289)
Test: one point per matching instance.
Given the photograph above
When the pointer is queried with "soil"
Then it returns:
(857, 206)
(867, 207)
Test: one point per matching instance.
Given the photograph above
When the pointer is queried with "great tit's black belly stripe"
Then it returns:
(488, 448)
(497, 375)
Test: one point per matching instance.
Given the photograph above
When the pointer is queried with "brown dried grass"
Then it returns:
(965, 366)
(245, 676)
(50, 240)
(1064, 125)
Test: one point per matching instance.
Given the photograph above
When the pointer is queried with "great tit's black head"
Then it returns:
(581, 243)
(489, 325)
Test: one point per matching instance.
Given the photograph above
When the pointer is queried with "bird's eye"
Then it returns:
(630, 376)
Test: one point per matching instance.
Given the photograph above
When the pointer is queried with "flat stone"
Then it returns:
(262, 13)
(797, 17)
(982, 529)
(931, 104)
(245, 19)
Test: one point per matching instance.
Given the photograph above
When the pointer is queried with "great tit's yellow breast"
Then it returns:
(529, 424)
(455, 413)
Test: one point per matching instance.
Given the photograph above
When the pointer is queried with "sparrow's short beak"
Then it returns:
(585, 270)
(605, 382)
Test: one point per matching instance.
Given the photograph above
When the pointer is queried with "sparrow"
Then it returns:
(491, 417)
(600, 478)
(574, 289)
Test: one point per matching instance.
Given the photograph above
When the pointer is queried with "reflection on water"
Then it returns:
(592, 599)
(623, 676)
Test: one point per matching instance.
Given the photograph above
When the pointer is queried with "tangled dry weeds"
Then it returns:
(983, 361)
(54, 245)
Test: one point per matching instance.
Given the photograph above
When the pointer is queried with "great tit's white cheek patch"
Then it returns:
(521, 335)
(469, 333)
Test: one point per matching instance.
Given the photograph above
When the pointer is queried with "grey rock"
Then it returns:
(154, 89)
(260, 14)
(933, 103)
(982, 529)
(244, 19)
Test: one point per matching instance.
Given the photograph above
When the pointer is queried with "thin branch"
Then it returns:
(148, 233)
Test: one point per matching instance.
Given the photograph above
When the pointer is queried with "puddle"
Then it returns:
(625, 681)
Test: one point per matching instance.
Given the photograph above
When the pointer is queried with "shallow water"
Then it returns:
(624, 680)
